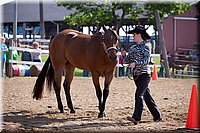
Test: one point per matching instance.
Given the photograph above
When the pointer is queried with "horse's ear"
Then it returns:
(104, 28)
(114, 28)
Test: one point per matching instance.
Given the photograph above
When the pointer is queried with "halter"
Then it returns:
(104, 44)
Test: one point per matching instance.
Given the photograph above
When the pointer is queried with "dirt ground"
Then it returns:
(21, 113)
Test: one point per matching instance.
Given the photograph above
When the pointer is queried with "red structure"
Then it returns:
(181, 31)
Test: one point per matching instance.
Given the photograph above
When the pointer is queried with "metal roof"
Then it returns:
(29, 12)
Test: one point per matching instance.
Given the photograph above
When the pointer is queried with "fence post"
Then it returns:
(10, 73)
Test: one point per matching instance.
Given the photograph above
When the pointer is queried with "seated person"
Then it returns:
(36, 53)
(121, 61)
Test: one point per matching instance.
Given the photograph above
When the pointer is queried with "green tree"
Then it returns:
(96, 14)
(114, 13)
(165, 10)
(198, 10)
(156, 13)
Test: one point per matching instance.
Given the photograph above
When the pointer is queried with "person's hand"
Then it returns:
(132, 65)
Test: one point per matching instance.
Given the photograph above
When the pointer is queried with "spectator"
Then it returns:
(4, 49)
(148, 43)
(161, 72)
(121, 62)
(15, 56)
(153, 46)
(36, 53)
(18, 43)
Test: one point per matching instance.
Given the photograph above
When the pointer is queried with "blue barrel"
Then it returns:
(27, 70)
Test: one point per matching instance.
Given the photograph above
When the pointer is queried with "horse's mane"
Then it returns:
(96, 35)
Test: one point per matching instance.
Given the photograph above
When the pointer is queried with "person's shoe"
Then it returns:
(132, 120)
(158, 120)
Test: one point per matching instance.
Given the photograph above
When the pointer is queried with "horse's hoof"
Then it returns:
(101, 115)
(72, 111)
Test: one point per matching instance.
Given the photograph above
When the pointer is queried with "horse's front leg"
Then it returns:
(95, 78)
(108, 79)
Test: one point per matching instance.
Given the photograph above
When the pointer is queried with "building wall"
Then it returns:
(186, 31)
(168, 31)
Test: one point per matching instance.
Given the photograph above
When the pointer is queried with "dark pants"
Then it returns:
(86, 73)
(37, 60)
(143, 92)
(121, 71)
(3, 61)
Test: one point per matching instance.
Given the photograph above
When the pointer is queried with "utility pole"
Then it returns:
(15, 21)
(14, 41)
(42, 31)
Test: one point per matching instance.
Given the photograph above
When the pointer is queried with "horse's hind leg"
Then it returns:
(57, 88)
(68, 79)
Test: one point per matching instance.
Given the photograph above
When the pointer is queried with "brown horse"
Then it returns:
(70, 49)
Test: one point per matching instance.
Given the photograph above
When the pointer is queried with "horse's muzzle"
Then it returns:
(113, 57)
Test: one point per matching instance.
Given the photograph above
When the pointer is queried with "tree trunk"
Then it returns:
(119, 24)
(162, 43)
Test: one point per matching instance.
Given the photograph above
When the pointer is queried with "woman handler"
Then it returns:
(138, 59)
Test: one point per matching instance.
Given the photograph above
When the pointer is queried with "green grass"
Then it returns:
(78, 72)
(44, 57)
(156, 59)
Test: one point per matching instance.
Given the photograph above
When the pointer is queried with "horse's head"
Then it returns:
(110, 42)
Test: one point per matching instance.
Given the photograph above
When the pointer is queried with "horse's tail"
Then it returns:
(39, 85)
(50, 76)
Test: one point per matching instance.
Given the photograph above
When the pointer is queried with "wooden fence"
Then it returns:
(185, 63)
(19, 64)
(117, 74)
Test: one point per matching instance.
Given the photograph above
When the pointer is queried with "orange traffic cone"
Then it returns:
(193, 110)
(154, 75)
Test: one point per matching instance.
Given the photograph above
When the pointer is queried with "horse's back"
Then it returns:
(68, 40)
(70, 46)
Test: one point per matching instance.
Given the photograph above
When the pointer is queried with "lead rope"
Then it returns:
(130, 73)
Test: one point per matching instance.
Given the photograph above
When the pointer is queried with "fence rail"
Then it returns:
(184, 64)
(10, 71)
